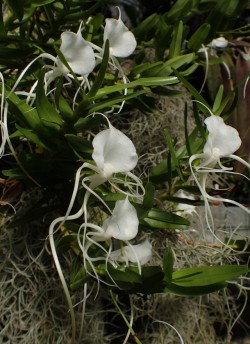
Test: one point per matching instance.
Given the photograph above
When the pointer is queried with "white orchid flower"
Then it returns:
(140, 253)
(220, 42)
(122, 42)
(123, 224)
(77, 52)
(113, 152)
(222, 141)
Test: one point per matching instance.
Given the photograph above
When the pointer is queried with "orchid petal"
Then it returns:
(114, 152)
(123, 224)
(134, 253)
(220, 42)
(77, 52)
(221, 136)
(122, 42)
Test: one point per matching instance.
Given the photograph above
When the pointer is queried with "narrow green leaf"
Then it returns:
(178, 11)
(199, 123)
(47, 113)
(82, 146)
(103, 68)
(218, 99)
(115, 100)
(168, 217)
(77, 277)
(189, 151)
(23, 113)
(174, 160)
(148, 199)
(176, 44)
(193, 291)
(168, 263)
(161, 69)
(206, 275)
(159, 173)
(124, 279)
(154, 81)
(64, 108)
(32, 136)
(192, 90)
(148, 25)
(199, 37)
(158, 219)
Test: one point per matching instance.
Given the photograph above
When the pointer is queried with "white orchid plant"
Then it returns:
(59, 129)
(222, 142)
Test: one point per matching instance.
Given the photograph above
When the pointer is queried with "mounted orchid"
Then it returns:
(222, 141)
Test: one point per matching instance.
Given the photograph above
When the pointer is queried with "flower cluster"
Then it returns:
(113, 152)
(78, 57)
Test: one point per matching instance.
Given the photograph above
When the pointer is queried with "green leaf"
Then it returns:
(148, 199)
(159, 219)
(25, 114)
(154, 81)
(176, 44)
(78, 276)
(192, 90)
(174, 160)
(47, 113)
(218, 99)
(193, 291)
(65, 110)
(16, 7)
(63, 244)
(100, 77)
(199, 37)
(159, 173)
(188, 146)
(124, 279)
(113, 101)
(82, 146)
(206, 275)
(31, 135)
(178, 11)
(147, 27)
(160, 69)
(168, 263)
(152, 280)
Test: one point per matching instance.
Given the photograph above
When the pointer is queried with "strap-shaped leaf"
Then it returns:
(199, 37)
(176, 44)
(206, 275)
(47, 113)
(174, 160)
(100, 77)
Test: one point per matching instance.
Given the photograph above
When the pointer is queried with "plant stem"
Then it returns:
(137, 341)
